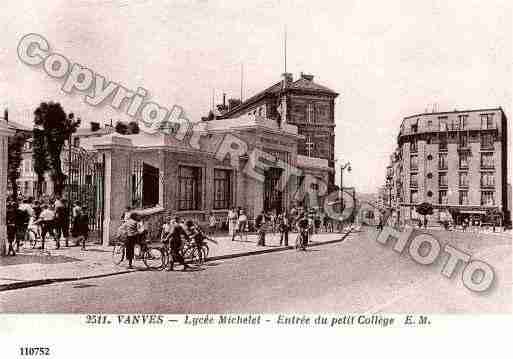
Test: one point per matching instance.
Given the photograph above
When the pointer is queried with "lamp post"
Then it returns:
(341, 195)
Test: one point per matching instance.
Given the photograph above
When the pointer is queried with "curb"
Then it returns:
(39, 282)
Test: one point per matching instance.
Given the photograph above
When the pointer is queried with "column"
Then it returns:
(5, 133)
(117, 151)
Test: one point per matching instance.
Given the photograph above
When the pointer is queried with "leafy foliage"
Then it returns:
(52, 128)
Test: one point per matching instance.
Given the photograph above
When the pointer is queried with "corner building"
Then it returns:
(456, 161)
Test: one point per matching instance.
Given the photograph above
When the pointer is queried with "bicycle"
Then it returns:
(152, 257)
(301, 239)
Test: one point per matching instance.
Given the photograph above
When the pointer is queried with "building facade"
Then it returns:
(457, 161)
(302, 103)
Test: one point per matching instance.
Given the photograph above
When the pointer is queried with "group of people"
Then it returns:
(49, 217)
(174, 234)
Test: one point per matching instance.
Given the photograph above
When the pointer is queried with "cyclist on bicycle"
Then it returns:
(303, 227)
(176, 244)
(195, 233)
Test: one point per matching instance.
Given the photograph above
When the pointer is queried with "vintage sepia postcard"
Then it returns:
(278, 166)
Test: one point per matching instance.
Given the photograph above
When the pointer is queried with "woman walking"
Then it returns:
(232, 222)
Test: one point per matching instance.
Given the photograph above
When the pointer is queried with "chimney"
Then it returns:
(95, 126)
(286, 79)
(6, 115)
(224, 99)
(307, 77)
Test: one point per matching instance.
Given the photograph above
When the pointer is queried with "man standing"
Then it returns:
(284, 229)
(60, 222)
(47, 219)
(260, 224)
(11, 226)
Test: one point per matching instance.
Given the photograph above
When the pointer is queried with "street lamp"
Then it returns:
(343, 167)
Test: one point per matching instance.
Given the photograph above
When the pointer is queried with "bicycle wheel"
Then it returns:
(154, 258)
(206, 250)
(32, 238)
(197, 256)
(118, 253)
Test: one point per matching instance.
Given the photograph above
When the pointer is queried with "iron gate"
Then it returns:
(85, 183)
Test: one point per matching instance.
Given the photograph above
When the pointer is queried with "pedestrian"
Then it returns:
(129, 227)
(60, 221)
(284, 228)
(126, 213)
(75, 228)
(232, 222)
(212, 224)
(260, 227)
(37, 209)
(47, 220)
(425, 222)
(11, 214)
(84, 226)
(22, 220)
(242, 223)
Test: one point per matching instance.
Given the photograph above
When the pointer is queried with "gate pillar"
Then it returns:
(5, 133)
(117, 151)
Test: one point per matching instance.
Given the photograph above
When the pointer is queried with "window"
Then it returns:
(442, 161)
(414, 196)
(430, 194)
(429, 124)
(463, 140)
(463, 179)
(414, 165)
(464, 159)
(414, 128)
(429, 157)
(189, 188)
(429, 175)
(414, 147)
(463, 200)
(487, 179)
(310, 113)
(442, 197)
(442, 179)
(443, 142)
(487, 121)
(487, 198)
(222, 189)
(443, 123)
(463, 121)
(76, 141)
(487, 140)
(487, 160)
(413, 180)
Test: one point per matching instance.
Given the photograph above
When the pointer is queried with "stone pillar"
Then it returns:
(5, 133)
(117, 151)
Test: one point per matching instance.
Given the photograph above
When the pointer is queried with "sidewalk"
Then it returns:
(32, 267)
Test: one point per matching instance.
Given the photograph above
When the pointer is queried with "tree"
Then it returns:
(52, 128)
(15, 148)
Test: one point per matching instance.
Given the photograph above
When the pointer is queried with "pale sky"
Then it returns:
(386, 61)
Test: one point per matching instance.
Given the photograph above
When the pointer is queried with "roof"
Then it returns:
(84, 132)
(451, 112)
(301, 84)
(12, 125)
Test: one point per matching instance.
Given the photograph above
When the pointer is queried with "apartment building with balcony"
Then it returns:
(457, 161)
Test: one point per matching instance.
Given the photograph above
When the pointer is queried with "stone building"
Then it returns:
(249, 162)
(302, 103)
(456, 161)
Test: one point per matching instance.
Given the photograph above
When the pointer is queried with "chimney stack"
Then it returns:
(95, 126)
(307, 77)
(286, 79)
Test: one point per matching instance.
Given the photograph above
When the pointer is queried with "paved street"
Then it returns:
(358, 274)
